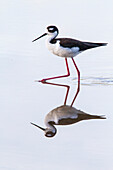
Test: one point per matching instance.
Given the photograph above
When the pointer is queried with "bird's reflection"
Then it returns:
(64, 115)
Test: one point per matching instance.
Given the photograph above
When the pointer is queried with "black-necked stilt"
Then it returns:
(66, 47)
(64, 115)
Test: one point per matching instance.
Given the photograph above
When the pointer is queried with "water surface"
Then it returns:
(85, 145)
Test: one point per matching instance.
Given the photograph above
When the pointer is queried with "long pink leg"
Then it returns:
(61, 85)
(68, 73)
(78, 88)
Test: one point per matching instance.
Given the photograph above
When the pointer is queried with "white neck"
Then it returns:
(52, 35)
(51, 127)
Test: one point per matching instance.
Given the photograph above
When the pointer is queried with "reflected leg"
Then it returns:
(78, 88)
(62, 85)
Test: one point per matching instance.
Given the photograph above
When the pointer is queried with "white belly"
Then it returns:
(61, 51)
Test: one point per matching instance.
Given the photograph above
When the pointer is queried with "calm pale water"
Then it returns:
(87, 145)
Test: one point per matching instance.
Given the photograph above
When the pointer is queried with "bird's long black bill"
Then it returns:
(38, 126)
(40, 37)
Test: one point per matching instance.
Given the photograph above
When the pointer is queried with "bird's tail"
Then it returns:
(88, 45)
(94, 117)
(100, 44)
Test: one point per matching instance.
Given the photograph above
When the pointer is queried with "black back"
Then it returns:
(69, 43)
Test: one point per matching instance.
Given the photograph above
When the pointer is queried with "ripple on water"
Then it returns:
(90, 81)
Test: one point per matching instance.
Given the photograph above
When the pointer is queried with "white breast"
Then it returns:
(61, 51)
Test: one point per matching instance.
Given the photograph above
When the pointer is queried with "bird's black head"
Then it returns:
(50, 133)
(52, 29)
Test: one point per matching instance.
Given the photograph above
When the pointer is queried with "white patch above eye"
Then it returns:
(48, 134)
(51, 29)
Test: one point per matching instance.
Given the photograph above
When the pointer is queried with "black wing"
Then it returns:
(69, 43)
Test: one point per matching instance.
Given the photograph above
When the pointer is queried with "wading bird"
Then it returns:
(65, 47)
(64, 115)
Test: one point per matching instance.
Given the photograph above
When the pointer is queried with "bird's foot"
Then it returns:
(42, 81)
